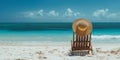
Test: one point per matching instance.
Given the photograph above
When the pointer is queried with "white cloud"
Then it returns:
(70, 13)
(33, 14)
(113, 15)
(105, 13)
(28, 14)
(40, 12)
(101, 12)
(76, 14)
(53, 13)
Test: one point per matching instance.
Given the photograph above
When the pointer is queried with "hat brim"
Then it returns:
(82, 21)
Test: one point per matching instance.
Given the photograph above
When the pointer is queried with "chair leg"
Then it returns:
(88, 52)
(92, 51)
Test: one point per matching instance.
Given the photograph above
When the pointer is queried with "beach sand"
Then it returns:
(57, 52)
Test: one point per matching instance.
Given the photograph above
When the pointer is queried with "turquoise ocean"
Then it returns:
(38, 33)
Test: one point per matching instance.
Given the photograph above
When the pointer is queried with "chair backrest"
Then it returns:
(81, 42)
(82, 29)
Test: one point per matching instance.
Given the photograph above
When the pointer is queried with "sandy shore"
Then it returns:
(57, 52)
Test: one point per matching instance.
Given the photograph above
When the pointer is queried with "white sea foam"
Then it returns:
(106, 37)
(56, 39)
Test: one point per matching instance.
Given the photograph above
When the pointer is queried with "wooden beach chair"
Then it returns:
(82, 30)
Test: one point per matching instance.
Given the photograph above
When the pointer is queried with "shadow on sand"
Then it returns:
(78, 53)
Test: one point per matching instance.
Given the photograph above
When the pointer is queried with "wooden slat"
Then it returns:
(76, 40)
(82, 48)
(84, 42)
(81, 42)
(86, 39)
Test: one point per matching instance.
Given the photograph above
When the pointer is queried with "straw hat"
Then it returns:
(82, 25)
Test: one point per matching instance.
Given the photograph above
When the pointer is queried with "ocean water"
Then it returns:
(38, 33)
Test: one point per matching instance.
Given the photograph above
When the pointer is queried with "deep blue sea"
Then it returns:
(37, 33)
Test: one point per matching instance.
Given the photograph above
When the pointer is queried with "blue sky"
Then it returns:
(59, 10)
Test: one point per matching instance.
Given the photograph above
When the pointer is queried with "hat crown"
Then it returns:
(82, 26)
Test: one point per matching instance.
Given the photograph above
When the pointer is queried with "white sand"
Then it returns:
(58, 52)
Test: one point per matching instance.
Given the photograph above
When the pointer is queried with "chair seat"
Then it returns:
(81, 48)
